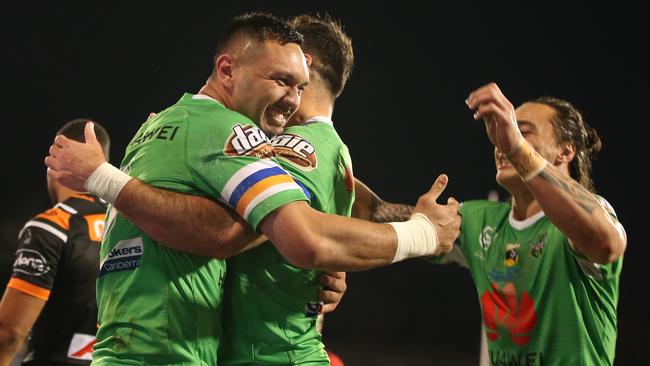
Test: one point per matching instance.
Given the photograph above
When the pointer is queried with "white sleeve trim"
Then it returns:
(52, 230)
(66, 208)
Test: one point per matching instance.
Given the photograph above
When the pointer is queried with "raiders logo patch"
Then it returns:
(296, 150)
(248, 141)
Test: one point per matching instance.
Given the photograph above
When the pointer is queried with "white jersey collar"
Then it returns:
(322, 119)
(523, 224)
(205, 97)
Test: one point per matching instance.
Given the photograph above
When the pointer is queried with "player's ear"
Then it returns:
(567, 153)
(308, 59)
(223, 69)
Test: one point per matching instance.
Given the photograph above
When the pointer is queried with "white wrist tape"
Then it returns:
(528, 162)
(416, 237)
(536, 172)
(107, 182)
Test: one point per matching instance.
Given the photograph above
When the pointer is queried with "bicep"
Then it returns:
(290, 229)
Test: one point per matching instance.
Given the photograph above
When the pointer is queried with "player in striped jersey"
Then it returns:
(208, 145)
(52, 289)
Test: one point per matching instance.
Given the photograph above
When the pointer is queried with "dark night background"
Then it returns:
(402, 116)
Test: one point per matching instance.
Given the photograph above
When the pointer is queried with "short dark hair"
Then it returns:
(74, 130)
(570, 126)
(260, 27)
(330, 48)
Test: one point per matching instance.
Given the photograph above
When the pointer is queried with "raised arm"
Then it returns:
(590, 228)
(214, 230)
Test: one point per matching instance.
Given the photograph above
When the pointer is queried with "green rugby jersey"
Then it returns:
(157, 305)
(542, 303)
(271, 307)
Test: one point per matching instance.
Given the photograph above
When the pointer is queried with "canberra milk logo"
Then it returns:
(296, 150)
(126, 255)
(248, 141)
(30, 262)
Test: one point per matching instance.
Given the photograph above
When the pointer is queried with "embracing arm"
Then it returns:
(305, 237)
(192, 224)
(186, 223)
(311, 239)
(368, 206)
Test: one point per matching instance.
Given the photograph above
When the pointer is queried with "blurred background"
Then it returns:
(402, 115)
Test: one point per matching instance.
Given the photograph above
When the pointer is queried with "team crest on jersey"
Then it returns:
(313, 308)
(537, 246)
(296, 150)
(27, 236)
(248, 141)
(512, 255)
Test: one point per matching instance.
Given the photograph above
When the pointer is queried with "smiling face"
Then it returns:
(536, 126)
(268, 80)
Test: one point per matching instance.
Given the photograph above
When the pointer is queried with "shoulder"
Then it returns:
(606, 205)
(82, 204)
(477, 206)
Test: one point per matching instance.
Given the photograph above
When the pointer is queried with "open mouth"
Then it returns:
(281, 117)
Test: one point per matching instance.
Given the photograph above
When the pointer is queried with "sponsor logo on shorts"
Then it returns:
(30, 262)
(296, 150)
(248, 141)
(126, 255)
(313, 308)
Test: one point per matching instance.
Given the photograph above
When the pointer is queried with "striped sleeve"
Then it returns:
(260, 187)
(40, 243)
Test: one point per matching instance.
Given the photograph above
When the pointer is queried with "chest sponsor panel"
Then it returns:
(125, 256)
(248, 141)
(295, 149)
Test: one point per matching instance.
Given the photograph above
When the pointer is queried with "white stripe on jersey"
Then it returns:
(242, 174)
(67, 208)
(267, 193)
(52, 230)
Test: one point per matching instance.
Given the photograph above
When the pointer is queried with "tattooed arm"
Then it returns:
(368, 206)
(591, 226)
(588, 225)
